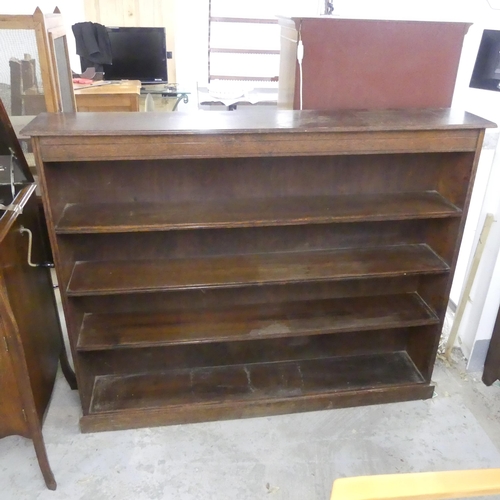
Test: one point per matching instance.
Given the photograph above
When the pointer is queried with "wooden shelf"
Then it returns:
(256, 321)
(252, 382)
(142, 216)
(227, 265)
(128, 276)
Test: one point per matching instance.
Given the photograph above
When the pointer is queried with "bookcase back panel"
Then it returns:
(213, 242)
(228, 178)
(188, 300)
(221, 354)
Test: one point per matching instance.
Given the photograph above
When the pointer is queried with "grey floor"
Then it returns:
(286, 457)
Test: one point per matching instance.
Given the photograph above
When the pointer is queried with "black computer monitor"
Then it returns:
(486, 73)
(138, 54)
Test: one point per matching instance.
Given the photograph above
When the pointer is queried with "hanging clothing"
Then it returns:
(92, 45)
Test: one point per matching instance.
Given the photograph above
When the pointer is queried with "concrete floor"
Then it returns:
(286, 457)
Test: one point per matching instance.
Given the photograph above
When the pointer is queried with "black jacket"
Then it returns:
(92, 45)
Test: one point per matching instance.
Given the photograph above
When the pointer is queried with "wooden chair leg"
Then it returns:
(43, 461)
(492, 363)
(68, 372)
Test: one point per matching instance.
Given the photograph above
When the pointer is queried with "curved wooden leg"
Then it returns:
(492, 363)
(43, 461)
(489, 378)
(68, 372)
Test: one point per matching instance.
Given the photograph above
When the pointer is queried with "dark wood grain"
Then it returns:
(184, 182)
(138, 217)
(259, 381)
(256, 321)
(257, 121)
(208, 261)
(30, 333)
(173, 415)
(271, 133)
(104, 277)
(266, 350)
(139, 148)
(11, 404)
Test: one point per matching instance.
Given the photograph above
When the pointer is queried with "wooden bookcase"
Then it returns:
(225, 265)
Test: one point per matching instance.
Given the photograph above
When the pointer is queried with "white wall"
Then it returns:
(484, 299)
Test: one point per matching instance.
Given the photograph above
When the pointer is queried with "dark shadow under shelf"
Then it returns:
(144, 216)
(256, 321)
(128, 276)
(256, 382)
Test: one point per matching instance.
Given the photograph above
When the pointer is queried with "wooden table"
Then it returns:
(108, 96)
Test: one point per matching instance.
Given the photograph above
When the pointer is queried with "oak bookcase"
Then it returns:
(225, 265)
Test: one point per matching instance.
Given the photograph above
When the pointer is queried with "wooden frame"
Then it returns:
(61, 79)
(48, 28)
(221, 50)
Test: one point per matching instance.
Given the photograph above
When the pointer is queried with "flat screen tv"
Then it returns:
(486, 72)
(137, 54)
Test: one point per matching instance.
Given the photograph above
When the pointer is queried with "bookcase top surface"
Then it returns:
(351, 18)
(251, 121)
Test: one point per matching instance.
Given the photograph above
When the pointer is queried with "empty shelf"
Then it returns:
(128, 276)
(256, 321)
(143, 216)
(252, 382)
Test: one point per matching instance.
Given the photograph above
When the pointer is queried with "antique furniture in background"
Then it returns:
(368, 64)
(52, 55)
(108, 96)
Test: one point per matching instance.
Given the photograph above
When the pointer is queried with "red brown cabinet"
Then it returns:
(368, 63)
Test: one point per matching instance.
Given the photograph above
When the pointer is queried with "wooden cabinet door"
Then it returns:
(12, 420)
